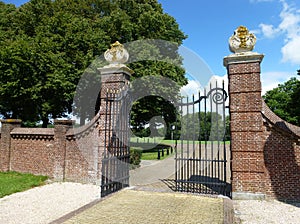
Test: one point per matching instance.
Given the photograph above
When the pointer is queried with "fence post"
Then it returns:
(246, 126)
(5, 147)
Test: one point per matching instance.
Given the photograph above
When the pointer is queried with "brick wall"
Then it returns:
(282, 157)
(83, 153)
(34, 151)
(62, 152)
(265, 152)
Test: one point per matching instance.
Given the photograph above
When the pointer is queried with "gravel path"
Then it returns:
(271, 211)
(41, 205)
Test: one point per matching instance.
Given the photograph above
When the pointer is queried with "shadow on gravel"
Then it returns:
(170, 183)
(200, 184)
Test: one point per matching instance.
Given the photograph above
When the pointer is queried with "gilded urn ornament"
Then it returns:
(117, 55)
(242, 40)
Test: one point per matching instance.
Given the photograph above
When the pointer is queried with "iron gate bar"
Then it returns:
(204, 170)
(115, 162)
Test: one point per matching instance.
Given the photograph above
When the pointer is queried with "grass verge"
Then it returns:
(12, 182)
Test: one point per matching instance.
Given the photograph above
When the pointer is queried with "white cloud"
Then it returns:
(270, 80)
(290, 23)
(193, 87)
(290, 51)
(290, 28)
(268, 30)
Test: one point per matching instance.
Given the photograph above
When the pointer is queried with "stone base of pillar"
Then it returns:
(248, 196)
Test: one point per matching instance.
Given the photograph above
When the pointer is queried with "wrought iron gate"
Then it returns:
(116, 155)
(202, 152)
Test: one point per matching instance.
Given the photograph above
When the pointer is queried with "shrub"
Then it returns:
(135, 157)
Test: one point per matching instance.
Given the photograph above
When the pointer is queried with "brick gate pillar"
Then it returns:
(115, 78)
(247, 158)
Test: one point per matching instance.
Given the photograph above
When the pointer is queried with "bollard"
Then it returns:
(162, 153)
(158, 154)
(168, 151)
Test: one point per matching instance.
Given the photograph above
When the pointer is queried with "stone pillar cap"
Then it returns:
(64, 122)
(243, 57)
(115, 69)
(11, 121)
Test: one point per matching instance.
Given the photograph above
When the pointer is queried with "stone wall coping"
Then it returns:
(278, 122)
(243, 57)
(32, 131)
(85, 128)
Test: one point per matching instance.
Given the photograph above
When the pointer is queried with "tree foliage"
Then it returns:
(45, 46)
(284, 100)
(202, 126)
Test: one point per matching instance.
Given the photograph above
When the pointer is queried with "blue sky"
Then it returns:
(209, 24)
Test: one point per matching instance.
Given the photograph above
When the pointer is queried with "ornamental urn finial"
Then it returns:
(117, 55)
(242, 40)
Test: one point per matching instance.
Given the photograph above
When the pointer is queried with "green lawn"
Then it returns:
(150, 151)
(152, 155)
(160, 140)
(12, 182)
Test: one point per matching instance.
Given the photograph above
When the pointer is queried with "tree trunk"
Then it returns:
(45, 122)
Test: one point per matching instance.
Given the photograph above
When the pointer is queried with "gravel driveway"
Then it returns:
(267, 211)
(45, 204)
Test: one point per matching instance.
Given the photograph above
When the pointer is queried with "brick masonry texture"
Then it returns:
(265, 149)
(60, 152)
(246, 83)
(63, 152)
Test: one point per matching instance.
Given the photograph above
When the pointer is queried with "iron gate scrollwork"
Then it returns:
(116, 155)
(202, 152)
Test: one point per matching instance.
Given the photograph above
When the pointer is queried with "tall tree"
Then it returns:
(284, 100)
(46, 45)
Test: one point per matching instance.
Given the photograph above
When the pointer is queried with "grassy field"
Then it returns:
(12, 182)
(150, 150)
(164, 141)
(153, 154)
